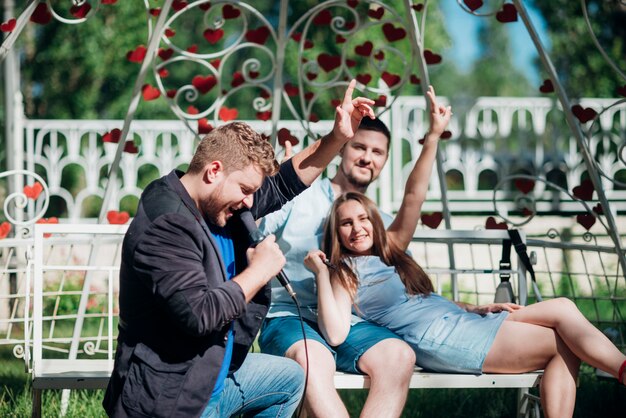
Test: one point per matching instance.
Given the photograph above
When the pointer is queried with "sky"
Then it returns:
(463, 26)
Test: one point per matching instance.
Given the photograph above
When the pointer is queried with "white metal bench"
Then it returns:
(89, 366)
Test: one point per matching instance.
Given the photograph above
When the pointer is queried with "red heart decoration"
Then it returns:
(204, 84)
(415, 79)
(5, 228)
(170, 32)
(113, 137)
(179, 5)
(137, 54)
(230, 12)
(117, 218)
(130, 147)
(328, 62)
(363, 78)
(473, 5)
(109, 1)
(584, 191)
(323, 18)
(291, 90)
(584, 115)
(446, 135)
(227, 114)
(350, 25)
(149, 92)
(418, 7)
(33, 192)
(308, 96)
(258, 35)
(376, 14)
(41, 15)
(492, 224)
(507, 14)
(171, 93)
(165, 54)
(204, 127)
(364, 50)
(390, 79)
(524, 185)
(339, 39)
(216, 63)
(380, 55)
(621, 90)
(431, 58)
(527, 212)
(192, 48)
(163, 73)
(381, 101)
(433, 220)
(392, 33)
(8, 26)
(311, 76)
(335, 102)
(264, 115)
(598, 209)
(314, 118)
(52, 220)
(587, 220)
(237, 79)
(284, 135)
(80, 11)
(296, 36)
(353, 3)
(192, 110)
(213, 36)
(350, 63)
(547, 86)
(205, 6)
(265, 94)
(155, 11)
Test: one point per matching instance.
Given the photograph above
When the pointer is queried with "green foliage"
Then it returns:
(580, 66)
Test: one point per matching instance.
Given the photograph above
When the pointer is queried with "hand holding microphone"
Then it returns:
(257, 239)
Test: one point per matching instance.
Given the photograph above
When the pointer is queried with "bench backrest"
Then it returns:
(76, 271)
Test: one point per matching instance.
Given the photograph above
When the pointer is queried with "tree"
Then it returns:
(580, 67)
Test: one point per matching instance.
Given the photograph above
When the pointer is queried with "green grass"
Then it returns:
(594, 395)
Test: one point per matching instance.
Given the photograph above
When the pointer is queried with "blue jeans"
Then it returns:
(264, 386)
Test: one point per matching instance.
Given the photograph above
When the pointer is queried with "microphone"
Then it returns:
(256, 237)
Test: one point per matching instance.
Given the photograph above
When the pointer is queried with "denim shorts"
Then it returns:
(280, 333)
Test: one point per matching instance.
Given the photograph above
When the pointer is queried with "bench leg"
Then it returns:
(36, 403)
(528, 406)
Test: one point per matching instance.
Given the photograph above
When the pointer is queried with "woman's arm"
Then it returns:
(491, 307)
(334, 302)
(402, 228)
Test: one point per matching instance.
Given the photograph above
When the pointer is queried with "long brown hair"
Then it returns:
(415, 280)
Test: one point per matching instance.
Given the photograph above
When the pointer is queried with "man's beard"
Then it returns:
(213, 209)
(359, 182)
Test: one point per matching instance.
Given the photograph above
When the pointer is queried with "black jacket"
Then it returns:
(176, 304)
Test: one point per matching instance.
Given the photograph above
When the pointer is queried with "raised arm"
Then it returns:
(333, 301)
(402, 228)
(311, 161)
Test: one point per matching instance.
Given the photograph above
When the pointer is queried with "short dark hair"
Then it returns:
(376, 125)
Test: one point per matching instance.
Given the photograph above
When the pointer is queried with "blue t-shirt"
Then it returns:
(225, 243)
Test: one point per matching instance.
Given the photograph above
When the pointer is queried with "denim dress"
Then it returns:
(445, 337)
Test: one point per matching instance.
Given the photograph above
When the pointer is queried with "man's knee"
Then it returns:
(316, 355)
(388, 357)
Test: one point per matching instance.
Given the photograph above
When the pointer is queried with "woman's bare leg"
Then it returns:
(520, 347)
(583, 339)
